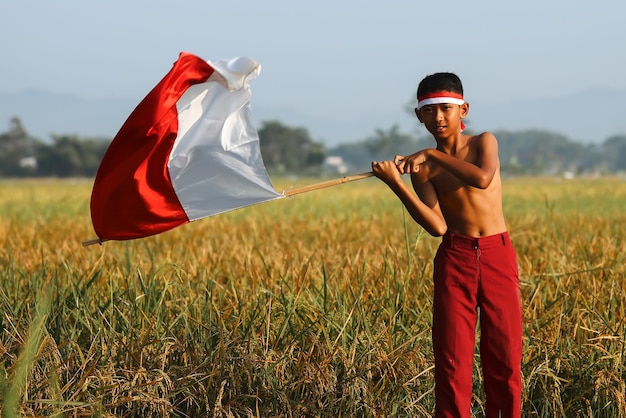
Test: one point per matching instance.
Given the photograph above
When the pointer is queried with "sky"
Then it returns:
(349, 60)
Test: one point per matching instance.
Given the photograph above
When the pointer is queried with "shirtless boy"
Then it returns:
(458, 195)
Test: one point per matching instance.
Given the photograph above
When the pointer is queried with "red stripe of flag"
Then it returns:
(132, 196)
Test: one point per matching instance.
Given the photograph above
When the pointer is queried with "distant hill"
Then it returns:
(43, 114)
(590, 115)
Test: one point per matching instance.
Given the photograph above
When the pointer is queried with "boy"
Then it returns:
(458, 195)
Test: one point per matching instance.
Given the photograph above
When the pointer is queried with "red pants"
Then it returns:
(472, 273)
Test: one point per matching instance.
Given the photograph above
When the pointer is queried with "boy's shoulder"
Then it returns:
(484, 136)
(483, 140)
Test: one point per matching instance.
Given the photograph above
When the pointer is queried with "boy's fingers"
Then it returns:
(398, 159)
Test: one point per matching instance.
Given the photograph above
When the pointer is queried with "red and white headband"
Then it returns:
(439, 97)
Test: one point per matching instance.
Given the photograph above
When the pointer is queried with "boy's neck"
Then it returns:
(450, 145)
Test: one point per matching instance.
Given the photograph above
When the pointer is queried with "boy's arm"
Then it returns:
(478, 174)
(423, 207)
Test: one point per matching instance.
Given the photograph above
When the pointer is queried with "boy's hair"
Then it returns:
(440, 82)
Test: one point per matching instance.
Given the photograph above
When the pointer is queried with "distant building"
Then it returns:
(28, 162)
(17, 151)
(334, 164)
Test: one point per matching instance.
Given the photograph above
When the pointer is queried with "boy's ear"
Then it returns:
(464, 109)
(419, 117)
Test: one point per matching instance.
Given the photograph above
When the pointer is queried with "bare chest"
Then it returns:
(447, 184)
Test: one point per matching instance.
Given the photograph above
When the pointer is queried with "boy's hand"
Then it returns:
(410, 164)
(387, 171)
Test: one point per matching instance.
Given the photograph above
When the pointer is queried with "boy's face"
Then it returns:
(443, 119)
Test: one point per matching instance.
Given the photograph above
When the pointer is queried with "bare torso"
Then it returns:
(468, 210)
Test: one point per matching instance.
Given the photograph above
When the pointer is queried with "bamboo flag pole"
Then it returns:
(291, 192)
(329, 183)
(93, 242)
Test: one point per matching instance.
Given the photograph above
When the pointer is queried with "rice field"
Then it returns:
(312, 306)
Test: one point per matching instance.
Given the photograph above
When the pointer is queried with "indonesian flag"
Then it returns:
(189, 150)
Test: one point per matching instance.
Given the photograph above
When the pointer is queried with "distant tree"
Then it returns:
(614, 151)
(92, 151)
(387, 144)
(539, 151)
(355, 155)
(70, 156)
(382, 145)
(287, 149)
(16, 151)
